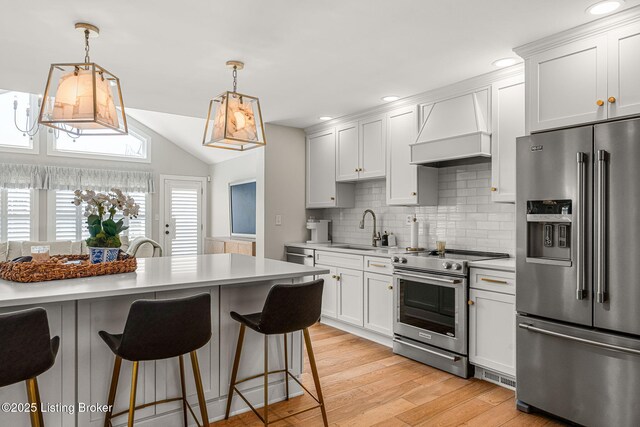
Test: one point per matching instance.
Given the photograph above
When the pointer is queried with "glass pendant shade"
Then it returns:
(234, 122)
(83, 99)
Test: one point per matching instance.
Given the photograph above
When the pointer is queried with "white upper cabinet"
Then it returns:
(404, 180)
(584, 75)
(373, 147)
(624, 71)
(361, 149)
(508, 123)
(347, 158)
(322, 189)
(568, 84)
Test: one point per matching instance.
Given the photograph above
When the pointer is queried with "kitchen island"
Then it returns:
(79, 308)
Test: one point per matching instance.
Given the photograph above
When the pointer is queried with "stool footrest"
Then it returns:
(288, 374)
(159, 402)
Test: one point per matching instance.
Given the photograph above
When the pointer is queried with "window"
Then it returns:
(11, 139)
(15, 214)
(67, 221)
(133, 147)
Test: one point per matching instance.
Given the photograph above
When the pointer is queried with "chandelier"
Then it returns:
(234, 120)
(83, 98)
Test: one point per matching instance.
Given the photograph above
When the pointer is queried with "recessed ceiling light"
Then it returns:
(325, 117)
(390, 98)
(604, 7)
(504, 62)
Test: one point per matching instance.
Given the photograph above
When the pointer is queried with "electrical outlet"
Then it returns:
(278, 219)
(409, 219)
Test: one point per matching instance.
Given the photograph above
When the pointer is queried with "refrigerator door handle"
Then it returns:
(601, 286)
(614, 347)
(581, 290)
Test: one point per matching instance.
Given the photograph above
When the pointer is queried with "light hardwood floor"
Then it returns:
(365, 384)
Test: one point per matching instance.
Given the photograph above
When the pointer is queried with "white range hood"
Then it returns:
(453, 129)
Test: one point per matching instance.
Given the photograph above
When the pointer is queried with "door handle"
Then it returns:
(435, 279)
(166, 232)
(601, 285)
(578, 339)
(435, 353)
(581, 288)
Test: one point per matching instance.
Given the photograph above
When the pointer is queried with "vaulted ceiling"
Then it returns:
(304, 59)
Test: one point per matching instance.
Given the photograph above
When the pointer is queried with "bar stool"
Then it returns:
(26, 351)
(161, 329)
(288, 308)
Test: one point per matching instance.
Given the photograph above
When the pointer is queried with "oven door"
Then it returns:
(431, 308)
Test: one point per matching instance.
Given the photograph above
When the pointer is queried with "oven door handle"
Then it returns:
(435, 353)
(432, 278)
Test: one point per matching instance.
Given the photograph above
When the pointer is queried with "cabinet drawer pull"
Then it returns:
(373, 264)
(599, 102)
(501, 282)
(612, 99)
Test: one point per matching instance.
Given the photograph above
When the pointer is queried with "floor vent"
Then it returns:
(496, 378)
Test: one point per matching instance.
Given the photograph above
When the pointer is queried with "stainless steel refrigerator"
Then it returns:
(578, 273)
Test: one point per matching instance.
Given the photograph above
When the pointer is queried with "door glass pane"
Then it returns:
(185, 215)
(428, 307)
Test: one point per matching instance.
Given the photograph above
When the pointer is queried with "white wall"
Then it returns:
(238, 169)
(281, 185)
(166, 158)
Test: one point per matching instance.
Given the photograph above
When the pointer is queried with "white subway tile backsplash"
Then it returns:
(465, 216)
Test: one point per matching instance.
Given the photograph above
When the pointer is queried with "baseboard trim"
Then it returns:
(358, 331)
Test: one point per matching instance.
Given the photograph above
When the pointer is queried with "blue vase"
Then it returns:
(98, 255)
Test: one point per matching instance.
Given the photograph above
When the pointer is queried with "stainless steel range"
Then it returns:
(430, 307)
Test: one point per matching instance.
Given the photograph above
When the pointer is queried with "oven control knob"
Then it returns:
(457, 266)
(395, 259)
(446, 265)
(403, 260)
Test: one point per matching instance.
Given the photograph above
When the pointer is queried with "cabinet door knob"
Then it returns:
(599, 102)
(390, 287)
(470, 302)
(612, 99)
(494, 189)
(333, 198)
(357, 169)
(360, 170)
(413, 193)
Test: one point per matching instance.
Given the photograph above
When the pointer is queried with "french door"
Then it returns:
(183, 215)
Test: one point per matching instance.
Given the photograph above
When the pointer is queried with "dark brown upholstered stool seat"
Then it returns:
(287, 309)
(26, 351)
(161, 329)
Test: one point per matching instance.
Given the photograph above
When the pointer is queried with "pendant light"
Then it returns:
(234, 120)
(83, 98)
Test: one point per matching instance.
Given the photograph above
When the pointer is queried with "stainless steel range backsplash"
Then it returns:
(465, 216)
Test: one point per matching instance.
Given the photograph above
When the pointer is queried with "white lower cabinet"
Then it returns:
(350, 296)
(358, 299)
(378, 303)
(329, 292)
(492, 330)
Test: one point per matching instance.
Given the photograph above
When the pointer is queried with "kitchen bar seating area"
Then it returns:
(432, 222)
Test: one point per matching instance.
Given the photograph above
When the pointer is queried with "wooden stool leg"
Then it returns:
(314, 372)
(234, 372)
(266, 380)
(202, 402)
(132, 399)
(184, 390)
(33, 395)
(112, 390)
(286, 368)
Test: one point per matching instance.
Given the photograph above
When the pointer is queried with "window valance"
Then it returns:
(65, 178)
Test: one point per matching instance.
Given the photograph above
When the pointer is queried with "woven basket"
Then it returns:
(56, 269)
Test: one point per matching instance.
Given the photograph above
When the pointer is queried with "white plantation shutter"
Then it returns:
(185, 213)
(15, 214)
(70, 223)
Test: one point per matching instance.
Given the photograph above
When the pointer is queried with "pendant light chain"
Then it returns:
(235, 78)
(86, 46)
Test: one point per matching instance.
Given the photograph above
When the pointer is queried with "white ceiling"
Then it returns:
(304, 59)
